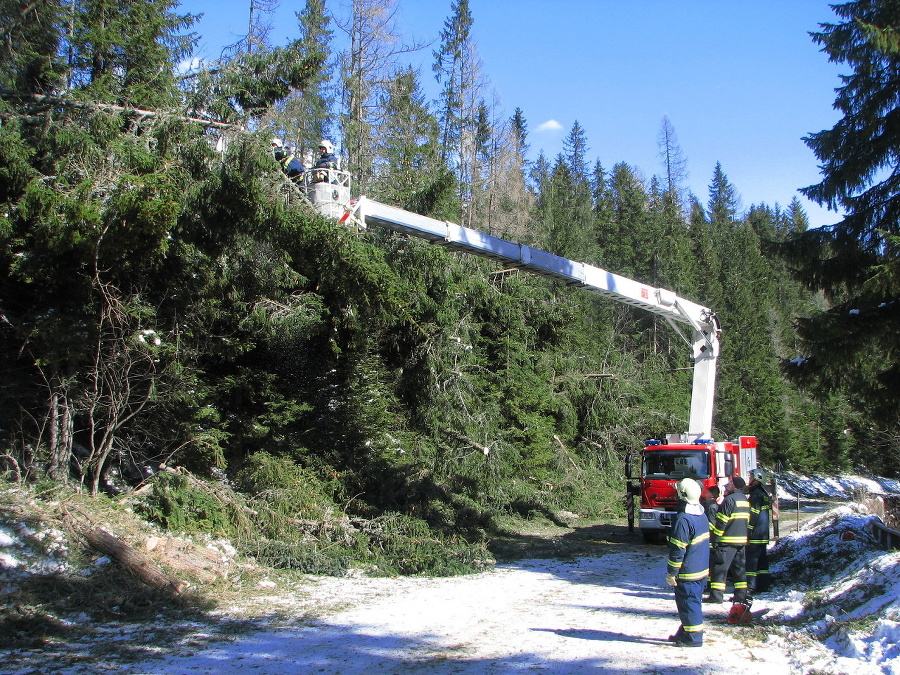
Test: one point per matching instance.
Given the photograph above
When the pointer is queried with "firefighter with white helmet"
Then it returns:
(288, 159)
(689, 491)
(758, 576)
(326, 162)
(688, 564)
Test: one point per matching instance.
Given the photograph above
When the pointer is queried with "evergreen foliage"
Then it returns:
(171, 312)
(849, 347)
(305, 117)
(449, 65)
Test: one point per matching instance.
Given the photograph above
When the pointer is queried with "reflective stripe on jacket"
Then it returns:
(760, 514)
(689, 547)
(732, 521)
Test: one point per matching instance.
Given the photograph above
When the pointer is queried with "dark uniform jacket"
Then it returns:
(291, 165)
(760, 514)
(689, 547)
(732, 521)
(326, 161)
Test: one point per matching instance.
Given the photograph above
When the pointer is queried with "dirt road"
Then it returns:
(607, 610)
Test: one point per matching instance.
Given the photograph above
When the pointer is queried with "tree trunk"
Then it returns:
(135, 562)
(60, 436)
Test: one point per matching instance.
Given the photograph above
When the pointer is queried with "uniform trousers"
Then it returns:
(758, 578)
(727, 562)
(689, 602)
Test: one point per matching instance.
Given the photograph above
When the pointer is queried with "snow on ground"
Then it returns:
(846, 592)
(835, 609)
(834, 487)
(609, 614)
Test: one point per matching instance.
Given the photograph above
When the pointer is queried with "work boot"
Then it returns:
(685, 641)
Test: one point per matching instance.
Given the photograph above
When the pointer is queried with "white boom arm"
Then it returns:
(704, 324)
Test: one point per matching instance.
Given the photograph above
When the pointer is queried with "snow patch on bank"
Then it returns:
(845, 593)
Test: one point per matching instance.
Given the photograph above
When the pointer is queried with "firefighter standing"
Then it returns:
(728, 539)
(711, 503)
(758, 578)
(688, 564)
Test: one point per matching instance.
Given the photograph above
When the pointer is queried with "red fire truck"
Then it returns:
(663, 464)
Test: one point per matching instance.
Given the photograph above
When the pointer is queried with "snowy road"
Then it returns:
(608, 614)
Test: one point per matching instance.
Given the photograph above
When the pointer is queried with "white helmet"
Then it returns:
(276, 141)
(688, 490)
(329, 148)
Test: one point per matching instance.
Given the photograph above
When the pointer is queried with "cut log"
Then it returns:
(135, 562)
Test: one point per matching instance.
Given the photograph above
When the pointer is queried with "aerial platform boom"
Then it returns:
(333, 197)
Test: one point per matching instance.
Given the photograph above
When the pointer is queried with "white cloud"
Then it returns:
(189, 65)
(549, 125)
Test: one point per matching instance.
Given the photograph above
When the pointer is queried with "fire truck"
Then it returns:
(688, 454)
(663, 464)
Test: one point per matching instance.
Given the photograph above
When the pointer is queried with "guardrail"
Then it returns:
(887, 508)
(888, 538)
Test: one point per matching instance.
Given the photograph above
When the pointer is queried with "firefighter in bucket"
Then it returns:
(327, 161)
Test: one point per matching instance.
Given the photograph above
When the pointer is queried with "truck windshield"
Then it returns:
(675, 464)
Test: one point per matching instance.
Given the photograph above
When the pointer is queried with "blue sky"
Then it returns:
(741, 81)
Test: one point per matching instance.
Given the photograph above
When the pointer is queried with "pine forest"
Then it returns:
(174, 317)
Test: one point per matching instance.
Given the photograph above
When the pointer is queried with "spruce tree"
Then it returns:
(457, 70)
(796, 220)
(604, 214)
(672, 249)
(410, 173)
(520, 135)
(449, 70)
(92, 199)
(303, 119)
(852, 346)
(135, 255)
(33, 47)
(122, 51)
(624, 248)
